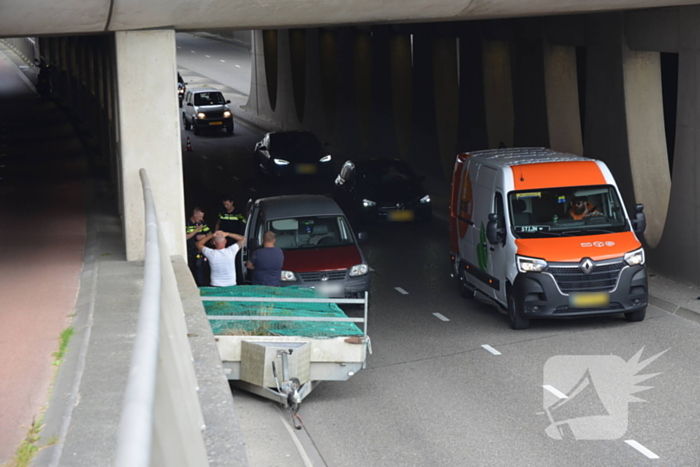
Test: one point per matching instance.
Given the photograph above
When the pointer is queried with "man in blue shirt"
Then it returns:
(266, 262)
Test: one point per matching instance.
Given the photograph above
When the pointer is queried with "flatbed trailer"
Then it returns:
(281, 342)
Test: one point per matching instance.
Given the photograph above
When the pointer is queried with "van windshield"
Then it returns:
(311, 232)
(566, 211)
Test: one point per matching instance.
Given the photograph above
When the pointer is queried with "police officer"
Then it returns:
(229, 220)
(196, 229)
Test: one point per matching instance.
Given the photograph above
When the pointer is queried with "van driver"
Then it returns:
(582, 208)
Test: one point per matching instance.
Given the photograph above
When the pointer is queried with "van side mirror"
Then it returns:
(493, 233)
(639, 224)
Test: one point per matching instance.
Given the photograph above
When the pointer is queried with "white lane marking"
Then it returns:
(238, 66)
(205, 157)
(491, 349)
(222, 61)
(555, 391)
(641, 449)
(207, 56)
(300, 448)
(400, 290)
(371, 270)
(440, 316)
(193, 51)
(219, 167)
(235, 178)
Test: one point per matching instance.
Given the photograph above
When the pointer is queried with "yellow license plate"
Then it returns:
(589, 299)
(306, 169)
(402, 215)
(216, 123)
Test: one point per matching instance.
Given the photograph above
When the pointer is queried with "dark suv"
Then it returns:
(206, 108)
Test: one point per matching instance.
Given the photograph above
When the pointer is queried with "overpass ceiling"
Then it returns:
(52, 17)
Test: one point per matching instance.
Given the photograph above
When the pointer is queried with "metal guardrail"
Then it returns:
(161, 419)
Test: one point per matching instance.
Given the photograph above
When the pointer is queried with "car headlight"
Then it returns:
(288, 276)
(325, 158)
(635, 257)
(359, 270)
(227, 114)
(201, 115)
(281, 162)
(425, 199)
(366, 203)
(526, 264)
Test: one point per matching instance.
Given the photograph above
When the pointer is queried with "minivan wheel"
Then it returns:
(517, 319)
(196, 129)
(186, 123)
(634, 316)
(229, 129)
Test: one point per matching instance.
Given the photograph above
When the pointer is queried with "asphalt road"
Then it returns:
(449, 383)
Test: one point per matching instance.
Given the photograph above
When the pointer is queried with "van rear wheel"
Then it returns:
(517, 319)
(634, 316)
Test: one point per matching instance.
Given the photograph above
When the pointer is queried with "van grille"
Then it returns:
(603, 278)
(316, 276)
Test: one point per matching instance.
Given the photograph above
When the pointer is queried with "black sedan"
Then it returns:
(382, 190)
(292, 154)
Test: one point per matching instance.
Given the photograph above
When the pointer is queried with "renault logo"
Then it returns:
(586, 266)
(324, 277)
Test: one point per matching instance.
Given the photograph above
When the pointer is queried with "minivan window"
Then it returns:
(566, 211)
(311, 232)
(209, 98)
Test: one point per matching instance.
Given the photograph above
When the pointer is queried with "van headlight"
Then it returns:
(281, 162)
(325, 158)
(526, 264)
(367, 203)
(288, 276)
(425, 199)
(201, 115)
(227, 114)
(358, 270)
(635, 257)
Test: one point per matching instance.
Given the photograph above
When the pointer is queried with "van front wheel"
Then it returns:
(634, 316)
(517, 319)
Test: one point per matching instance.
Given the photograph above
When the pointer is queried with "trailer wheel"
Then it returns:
(517, 319)
(634, 316)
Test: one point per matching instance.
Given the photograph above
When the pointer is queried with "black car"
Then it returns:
(382, 190)
(291, 154)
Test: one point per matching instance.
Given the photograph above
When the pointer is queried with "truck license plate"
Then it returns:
(589, 299)
(306, 169)
(215, 123)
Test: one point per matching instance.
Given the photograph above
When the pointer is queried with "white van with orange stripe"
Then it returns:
(545, 234)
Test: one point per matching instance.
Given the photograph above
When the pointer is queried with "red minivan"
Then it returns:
(320, 249)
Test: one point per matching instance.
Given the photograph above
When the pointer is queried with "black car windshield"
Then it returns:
(294, 141)
(385, 173)
(296, 233)
(566, 211)
(209, 98)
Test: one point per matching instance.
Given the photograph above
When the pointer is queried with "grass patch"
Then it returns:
(63, 340)
(30, 446)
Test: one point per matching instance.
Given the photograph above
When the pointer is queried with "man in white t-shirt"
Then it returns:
(222, 260)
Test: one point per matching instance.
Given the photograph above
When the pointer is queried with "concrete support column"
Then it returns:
(314, 114)
(647, 138)
(530, 128)
(446, 92)
(561, 88)
(149, 135)
(472, 111)
(498, 93)
(362, 61)
(401, 65)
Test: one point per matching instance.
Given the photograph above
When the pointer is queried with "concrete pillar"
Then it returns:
(401, 64)
(314, 116)
(446, 92)
(530, 126)
(472, 111)
(149, 135)
(297, 52)
(362, 61)
(647, 138)
(498, 93)
(561, 87)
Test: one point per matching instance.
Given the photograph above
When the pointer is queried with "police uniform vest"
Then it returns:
(231, 222)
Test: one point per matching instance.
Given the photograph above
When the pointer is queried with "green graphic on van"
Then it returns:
(482, 252)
